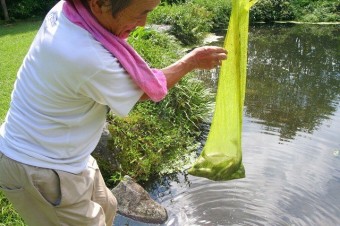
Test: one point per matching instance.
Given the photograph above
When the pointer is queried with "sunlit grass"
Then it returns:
(8, 216)
(15, 40)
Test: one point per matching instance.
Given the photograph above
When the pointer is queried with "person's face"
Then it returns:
(128, 19)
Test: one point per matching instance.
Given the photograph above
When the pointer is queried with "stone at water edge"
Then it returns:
(135, 203)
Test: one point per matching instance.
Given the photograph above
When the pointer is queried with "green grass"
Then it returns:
(14, 42)
(8, 216)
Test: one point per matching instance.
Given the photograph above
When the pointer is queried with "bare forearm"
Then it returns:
(176, 71)
(200, 58)
(206, 57)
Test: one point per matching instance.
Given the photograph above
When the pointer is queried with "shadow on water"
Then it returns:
(291, 139)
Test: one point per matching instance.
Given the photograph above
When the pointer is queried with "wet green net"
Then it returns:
(221, 157)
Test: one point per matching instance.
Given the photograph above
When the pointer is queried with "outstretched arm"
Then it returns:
(206, 57)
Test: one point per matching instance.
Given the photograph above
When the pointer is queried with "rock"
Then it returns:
(135, 203)
(105, 153)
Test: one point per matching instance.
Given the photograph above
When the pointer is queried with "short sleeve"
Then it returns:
(113, 87)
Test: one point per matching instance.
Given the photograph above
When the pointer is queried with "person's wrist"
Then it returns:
(189, 62)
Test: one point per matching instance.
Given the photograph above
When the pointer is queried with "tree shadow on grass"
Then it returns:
(17, 27)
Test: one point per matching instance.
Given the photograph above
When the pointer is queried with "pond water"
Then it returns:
(290, 139)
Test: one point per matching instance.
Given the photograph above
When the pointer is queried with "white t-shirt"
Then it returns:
(60, 98)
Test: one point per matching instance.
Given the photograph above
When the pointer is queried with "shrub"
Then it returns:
(187, 105)
(19, 9)
(272, 10)
(163, 14)
(161, 138)
(310, 18)
(320, 12)
(146, 144)
(189, 22)
(158, 49)
(220, 10)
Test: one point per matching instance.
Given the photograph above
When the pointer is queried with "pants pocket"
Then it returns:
(47, 183)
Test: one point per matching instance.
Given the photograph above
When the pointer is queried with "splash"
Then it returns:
(221, 158)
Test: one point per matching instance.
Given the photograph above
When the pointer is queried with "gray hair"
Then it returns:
(116, 5)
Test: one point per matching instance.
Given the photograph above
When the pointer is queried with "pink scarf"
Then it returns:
(151, 81)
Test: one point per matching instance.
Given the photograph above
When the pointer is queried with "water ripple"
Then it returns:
(287, 183)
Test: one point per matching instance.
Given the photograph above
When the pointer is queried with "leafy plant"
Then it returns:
(220, 10)
(188, 104)
(163, 14)
(189, 22)
(272, 10)
(320, 11)
(8, 216)
(192, 22)
(23, 9)
(158, 49)
(155, 138)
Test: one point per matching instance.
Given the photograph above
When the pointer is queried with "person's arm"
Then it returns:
(206, 57)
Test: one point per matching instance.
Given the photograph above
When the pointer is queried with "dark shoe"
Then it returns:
(135, 203)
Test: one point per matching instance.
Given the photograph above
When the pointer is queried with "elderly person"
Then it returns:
(78, 65)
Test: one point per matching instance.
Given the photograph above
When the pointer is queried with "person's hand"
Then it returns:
(206, 57)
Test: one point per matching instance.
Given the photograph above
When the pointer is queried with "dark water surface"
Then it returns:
(291, 139)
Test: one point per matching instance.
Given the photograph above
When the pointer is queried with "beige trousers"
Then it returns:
(52, 197)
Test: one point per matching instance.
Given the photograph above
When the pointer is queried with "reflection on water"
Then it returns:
(291, 139)
(294, 77)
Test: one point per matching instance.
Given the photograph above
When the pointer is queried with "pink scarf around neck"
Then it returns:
(151, 81)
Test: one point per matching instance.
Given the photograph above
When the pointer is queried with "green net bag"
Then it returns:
(221, 157)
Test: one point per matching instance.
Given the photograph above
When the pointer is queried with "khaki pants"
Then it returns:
(52, 197)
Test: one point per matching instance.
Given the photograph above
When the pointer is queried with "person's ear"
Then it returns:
(95, 7)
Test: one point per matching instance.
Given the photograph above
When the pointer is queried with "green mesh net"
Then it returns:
(221, 157)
